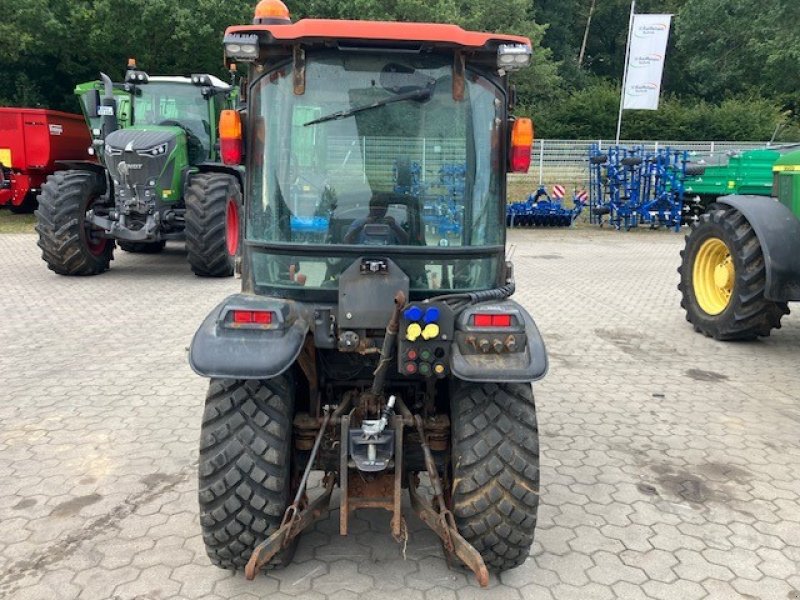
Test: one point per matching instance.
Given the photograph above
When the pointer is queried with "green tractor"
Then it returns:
(159, 176)
(741, 262)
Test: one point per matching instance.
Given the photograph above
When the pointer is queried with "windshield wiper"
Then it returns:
(418, 94)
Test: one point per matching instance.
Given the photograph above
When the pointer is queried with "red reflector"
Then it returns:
(487, 320)
(242, 316)
(501, 320)
(263, 317)
(482, 320)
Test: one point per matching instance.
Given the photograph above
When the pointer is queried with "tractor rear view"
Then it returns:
(372, 348)
(741, 263)
(160, 177)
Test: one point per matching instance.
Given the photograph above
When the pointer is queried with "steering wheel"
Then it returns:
(397, 235)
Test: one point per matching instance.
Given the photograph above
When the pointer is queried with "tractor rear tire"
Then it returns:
(495, 464)
(68, 245)
(143, 247)
(208, 203)
(244, 473)
(735, 306)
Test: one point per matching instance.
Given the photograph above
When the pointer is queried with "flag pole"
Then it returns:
(625, 71)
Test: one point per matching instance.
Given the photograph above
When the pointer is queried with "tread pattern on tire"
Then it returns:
(206, 243)
(59, 224)
(749, 314)
(495, 470)
(244, 472)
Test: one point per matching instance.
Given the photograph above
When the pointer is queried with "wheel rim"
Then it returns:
(232, 226)
(713, 276)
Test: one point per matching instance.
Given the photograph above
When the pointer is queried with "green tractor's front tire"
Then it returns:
(70, 246)
(142, 247)
(495, 469)
(212, 229)
(244, 472)
(723, 278)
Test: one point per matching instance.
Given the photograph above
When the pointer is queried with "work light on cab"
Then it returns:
(513, 56)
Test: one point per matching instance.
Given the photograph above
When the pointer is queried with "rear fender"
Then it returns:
(221, 349)
(528, 362)
(778, 232)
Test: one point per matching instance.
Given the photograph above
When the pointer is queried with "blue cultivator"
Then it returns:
(629, 187)
(442, 209)
(540, 210)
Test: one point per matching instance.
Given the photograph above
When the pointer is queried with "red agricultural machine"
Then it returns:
(32, 141)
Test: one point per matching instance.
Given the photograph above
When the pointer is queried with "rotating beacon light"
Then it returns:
(271, 12)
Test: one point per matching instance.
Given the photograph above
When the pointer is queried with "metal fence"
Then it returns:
(562, 162)
(566, 161)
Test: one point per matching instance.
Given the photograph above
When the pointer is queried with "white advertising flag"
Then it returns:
(648, 45)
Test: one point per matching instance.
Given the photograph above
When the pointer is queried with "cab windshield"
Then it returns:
(376, 152)
(162, 103)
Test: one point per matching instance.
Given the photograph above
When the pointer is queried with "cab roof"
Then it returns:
(309, 31)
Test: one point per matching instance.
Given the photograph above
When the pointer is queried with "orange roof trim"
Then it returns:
(388, 31)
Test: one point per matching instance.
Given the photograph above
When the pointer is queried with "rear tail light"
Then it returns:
(521, 144)
(491, 320)
(256, 317)
(230, 137)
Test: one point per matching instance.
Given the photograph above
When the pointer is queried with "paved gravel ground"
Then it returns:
(671, 463)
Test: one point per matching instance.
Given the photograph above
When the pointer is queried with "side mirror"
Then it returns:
(91, 101)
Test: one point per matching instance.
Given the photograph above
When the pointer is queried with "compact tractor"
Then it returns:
(383, 354)
(741, 262)
(159, 177)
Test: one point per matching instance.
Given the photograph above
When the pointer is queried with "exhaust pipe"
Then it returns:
(109, 122)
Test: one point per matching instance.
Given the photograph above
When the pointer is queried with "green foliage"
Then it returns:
(737, 46)
(731, 71)
(591, 113)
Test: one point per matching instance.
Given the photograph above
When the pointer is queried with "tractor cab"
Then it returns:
(393, 146)
(375, 302)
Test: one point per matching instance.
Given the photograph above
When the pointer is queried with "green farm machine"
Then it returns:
(159, 176)
(746, 172)
(741, 262)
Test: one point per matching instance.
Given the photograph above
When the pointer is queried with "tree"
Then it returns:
(736, 46)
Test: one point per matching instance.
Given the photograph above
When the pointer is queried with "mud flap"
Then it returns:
(222, 349)
(526, 361)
